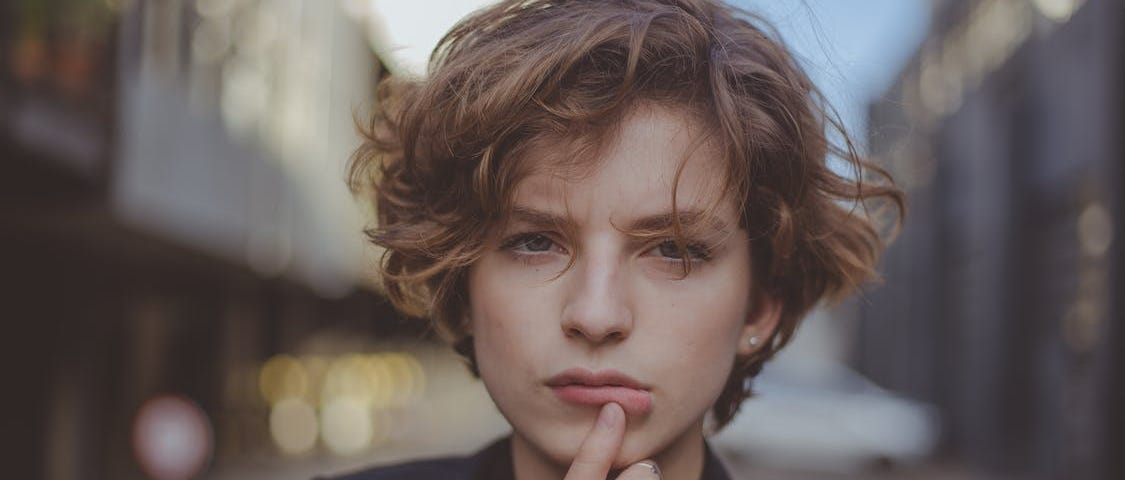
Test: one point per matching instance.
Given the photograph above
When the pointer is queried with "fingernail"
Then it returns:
(609, 415)
(651, 466)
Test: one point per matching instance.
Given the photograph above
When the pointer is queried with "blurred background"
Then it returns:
(187, 293)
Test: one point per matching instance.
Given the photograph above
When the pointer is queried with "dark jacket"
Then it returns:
(492, 463)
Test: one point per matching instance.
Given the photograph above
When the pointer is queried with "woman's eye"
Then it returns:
(530, 242)
(669, 249)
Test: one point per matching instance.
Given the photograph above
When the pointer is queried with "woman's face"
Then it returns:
(623, 323)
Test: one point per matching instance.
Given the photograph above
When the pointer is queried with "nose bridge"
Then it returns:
(598, 306)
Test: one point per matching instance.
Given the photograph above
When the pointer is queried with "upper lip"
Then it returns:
(601, 378)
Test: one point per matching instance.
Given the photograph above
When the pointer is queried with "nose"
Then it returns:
(597, 309)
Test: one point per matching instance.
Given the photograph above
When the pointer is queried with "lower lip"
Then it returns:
(633, 401)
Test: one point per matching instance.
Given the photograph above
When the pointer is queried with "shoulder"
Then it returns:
(437, 469)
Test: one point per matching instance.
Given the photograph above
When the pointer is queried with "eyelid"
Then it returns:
(511, 242)
(696, 250)
(705, 250)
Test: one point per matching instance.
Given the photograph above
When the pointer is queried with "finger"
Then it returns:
(596, 454)
(643, 470)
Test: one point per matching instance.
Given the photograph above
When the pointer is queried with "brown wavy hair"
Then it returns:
(442, 154)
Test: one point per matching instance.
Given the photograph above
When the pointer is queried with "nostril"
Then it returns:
(594, 336)
(596, 322)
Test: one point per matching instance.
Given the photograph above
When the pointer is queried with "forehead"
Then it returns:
(650, 153)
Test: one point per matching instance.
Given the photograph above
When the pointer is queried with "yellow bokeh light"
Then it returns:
(402, 378)
(380, 378)
(347, 377)
(419, 375)
(293, 426)
(346, 425)
(316, 368)
(282, 377)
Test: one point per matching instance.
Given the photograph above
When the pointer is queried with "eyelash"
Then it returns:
(517, 243)
(696, 251)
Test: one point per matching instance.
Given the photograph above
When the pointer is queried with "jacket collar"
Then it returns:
(495, 463)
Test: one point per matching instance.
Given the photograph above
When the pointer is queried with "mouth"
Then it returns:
(583, 387)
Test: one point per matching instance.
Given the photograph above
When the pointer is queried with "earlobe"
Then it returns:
(760, 325)
(466, 319)
(467, 323)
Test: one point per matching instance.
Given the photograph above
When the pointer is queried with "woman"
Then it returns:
(616, 211)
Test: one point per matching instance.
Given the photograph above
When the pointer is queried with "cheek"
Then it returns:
(501, 315)
(709, 312)
(699, 324)
(705, 338)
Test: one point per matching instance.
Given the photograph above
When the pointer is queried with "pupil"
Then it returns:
(670, 249)
(537, 243)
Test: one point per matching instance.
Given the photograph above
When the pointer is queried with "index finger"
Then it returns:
(596, 454)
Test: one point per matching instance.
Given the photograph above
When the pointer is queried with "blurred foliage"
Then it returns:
(59, 44)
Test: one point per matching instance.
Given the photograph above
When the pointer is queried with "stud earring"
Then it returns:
(753, 341)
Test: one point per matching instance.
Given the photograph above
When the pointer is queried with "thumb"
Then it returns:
(599, 449)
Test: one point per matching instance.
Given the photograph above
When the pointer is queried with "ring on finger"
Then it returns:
(652, 466)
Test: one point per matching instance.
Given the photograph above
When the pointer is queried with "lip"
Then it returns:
(584, 387)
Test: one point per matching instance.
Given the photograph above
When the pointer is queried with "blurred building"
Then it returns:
(174, 214)
(1003, 299)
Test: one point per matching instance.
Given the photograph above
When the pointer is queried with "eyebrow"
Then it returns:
(687, 218)
(659, 222)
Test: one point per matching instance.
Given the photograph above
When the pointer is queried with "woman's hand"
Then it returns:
(596, 454)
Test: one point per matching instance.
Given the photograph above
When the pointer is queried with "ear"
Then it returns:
(760, 325)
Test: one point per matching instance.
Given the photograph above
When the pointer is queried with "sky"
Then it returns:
(853, 50)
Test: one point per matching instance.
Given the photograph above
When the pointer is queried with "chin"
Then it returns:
(633, 450)
(561, 444)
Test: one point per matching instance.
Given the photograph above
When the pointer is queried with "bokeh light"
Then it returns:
(346, 425)
(351, 402)
(172, 438)
(347, 377)
(316, 367)
(282, 377)
(1058, 10)
(1095, 230)
(294, 426)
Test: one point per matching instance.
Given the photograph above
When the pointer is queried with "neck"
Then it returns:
(683, 458)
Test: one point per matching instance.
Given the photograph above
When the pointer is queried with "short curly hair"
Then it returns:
(441, 156)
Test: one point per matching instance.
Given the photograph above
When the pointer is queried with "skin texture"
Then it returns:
(622, 305)
(600, 449)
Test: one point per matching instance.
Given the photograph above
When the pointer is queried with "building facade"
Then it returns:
(174, 214)
(1003, 299)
